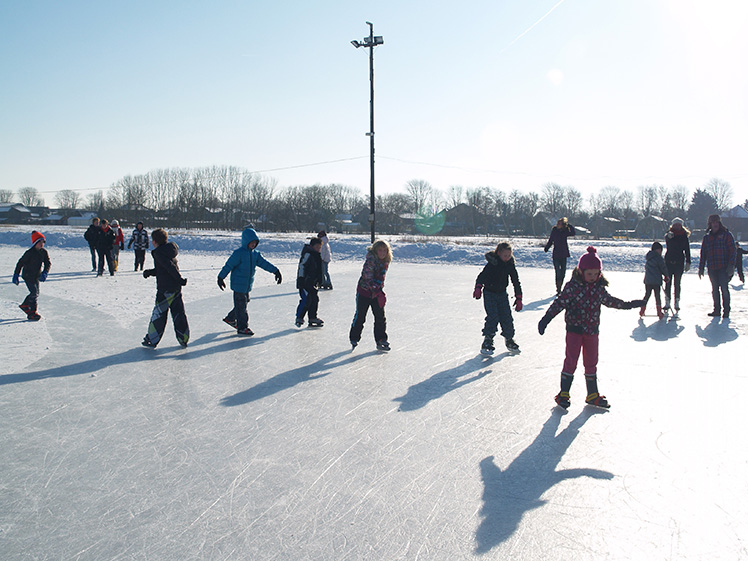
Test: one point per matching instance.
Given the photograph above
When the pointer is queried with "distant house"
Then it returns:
(736, 220)
(14, 213)
(651, 228)
(83, 219)
(605, 226)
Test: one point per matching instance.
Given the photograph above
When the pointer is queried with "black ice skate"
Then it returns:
(383, 345)
(230, 322)
(247, 332)
(511, 346)
(316, 322)
(487, 347)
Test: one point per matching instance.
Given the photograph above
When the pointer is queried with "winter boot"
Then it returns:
(666, 307)
(383, 345)
(642, 311)
(597, 400)
(147, 342)
(299, 322)
(511, 345)
(659, 313)
(487, 347)
(316, 322)
(677, 304)
(563, 400)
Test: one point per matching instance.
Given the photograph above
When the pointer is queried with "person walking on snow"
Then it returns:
(139, 240)
(241, 265)
(119, 243)
(33, 267)
(677, 259)
(90, 236)
(559, 240)
(582, 298)
(492, 283)
(718, 257)
(104, 246)
(169, 283)
(370, 294)
(308, 278)
(654, 271)
(326, 254)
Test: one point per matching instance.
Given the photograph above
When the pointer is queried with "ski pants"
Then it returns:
(93, 256)
(109, 261)
(165, 302)
(239, 312)
(719, 282)
(362, 308)
(33, 297)
(581, 342)
(559, 265)
(308, 303)
(674, 278)
(498, 312)
(139, 258)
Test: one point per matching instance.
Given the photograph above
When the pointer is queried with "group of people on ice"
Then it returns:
(105, 241)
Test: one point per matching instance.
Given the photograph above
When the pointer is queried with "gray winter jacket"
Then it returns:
(655, 269)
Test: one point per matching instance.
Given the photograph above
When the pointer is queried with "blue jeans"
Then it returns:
(497, 312)
(719, 284)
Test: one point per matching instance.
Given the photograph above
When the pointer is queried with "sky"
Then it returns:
(510, 94)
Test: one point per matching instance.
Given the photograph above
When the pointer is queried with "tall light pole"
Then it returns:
(370, 42)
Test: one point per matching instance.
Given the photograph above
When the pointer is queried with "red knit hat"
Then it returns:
(590, 260)
(37, 236)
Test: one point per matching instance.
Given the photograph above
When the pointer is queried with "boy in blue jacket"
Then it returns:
(242, 265)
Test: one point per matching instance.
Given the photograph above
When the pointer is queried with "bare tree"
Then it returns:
(721, 192)
(455, 195)
(419, 192)
(573, 202)
(552, 198)
(679, 199)
(6, 196)
(95, 202)
(647, 200)
(67, 199)
(29, 196)
(608, 202)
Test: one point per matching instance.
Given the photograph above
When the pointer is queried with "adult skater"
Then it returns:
(139, 240)
(559, 240)
(739, 252)
(104, 246)
(91, 236)
(718, 256)
(677, 259)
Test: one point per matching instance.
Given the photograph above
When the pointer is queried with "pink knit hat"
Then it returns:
(590, 260)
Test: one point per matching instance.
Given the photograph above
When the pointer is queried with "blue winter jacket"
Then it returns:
(243, 262)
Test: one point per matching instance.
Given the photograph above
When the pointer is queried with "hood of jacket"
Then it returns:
(494, 259)
(249, 235)
(168, 250)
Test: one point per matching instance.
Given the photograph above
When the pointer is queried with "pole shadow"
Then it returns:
(660, 330)
(440, 384)
(510, 493)
(291, 378)
(715, 333)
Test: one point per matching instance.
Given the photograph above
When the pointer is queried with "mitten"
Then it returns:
(545, 249)
(43, 276)
(183, 282)
(149, 273)
(701, 272)
(478, 291)
(278, 276)
(381, 299)
(16, 280)
(687, 267)
(518, 303)
(221, 283)
(122, 246)
(542, 324)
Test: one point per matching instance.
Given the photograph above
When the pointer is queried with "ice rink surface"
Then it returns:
(290, 446)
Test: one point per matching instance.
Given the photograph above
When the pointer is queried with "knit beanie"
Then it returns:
(677, 220)
(590, 260)
(714, 218)
(37, 236)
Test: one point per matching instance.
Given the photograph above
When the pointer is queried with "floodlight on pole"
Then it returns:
(370, 42)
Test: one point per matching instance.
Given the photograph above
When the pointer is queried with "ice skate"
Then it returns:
(642, 311)
(147, 342)
(487, 347)
(563, 400)
(677, 305)
(230, 322)
(666, 307)
(597, 400)
(511, 346)
(299, 322)
(246, 332)
(383, 345)
(660, 314)
(316, 322)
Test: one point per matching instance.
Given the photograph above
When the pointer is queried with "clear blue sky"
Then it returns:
(505, 93)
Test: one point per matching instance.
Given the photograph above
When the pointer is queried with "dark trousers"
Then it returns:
(739, 268)
(498, 312)
(93, 256)
(650, 288)
(362, 308)
(30, 302)
(719, 284)
(308, 303)
(673, 280)
(139, 258)
(109, 260)
(239, 312)
(168, 302)
(559, 265)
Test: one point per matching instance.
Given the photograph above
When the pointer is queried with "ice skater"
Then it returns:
(308, 278)
(119, 243)
(242, 265)
(739, 252)
(492, 284)
(326, 254)
(718, 256)
(559, 240)
(139, 240)
(370, 294)
(33, 267)
(581, 298)
(90, 236)
(169, 283)
(104, 247)
(677, 260)
(654, 271)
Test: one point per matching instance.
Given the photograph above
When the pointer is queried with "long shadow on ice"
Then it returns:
(530, 306)
(444, 382)
(510, 493)
(661, 330)
(716, 333)
(286, 380)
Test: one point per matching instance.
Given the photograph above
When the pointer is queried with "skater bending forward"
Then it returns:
(169, 283)
(581, 298)
(492, 282)
(370, 294)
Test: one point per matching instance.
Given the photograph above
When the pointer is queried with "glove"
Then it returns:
(278, 276)
(381, 299)
(183, 282)
(122, 246)
(16, 280)
(43, 276)
(149, 273)
(542, 324)
(221, 283)
(701, 273)
(687, 267)
(129, 245)
(477, 292)
(545, 249)
(518, 303)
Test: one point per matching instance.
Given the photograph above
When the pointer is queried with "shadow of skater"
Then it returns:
(510, 493)
(716, 333)
(288, 379)
(658, 331)
(538, 303)
(444, 382)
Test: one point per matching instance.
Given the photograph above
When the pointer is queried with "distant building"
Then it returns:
(736, 220)
(14, 213)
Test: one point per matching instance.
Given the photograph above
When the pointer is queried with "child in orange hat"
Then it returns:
(33, 267)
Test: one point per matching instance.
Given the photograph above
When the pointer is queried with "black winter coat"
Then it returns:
(496, 274)
(30, 264)
(168, 278)
(92, 234)
(310, 268)
(105, 240)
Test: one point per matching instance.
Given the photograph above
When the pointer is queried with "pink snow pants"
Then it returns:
(576, 342)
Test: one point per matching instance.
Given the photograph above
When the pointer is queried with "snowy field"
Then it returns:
(288, 446)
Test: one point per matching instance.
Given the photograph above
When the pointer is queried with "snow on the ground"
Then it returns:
(287, 445)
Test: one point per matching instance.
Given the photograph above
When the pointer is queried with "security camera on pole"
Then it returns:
(370, 42)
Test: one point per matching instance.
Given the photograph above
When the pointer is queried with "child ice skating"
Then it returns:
(139, 240)
(492, 283)
(33, 267)
(581, 298)
(242, 265)
(370, 294)
(169, 283)
(308, 278)
(654, 271)
(739, 252)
